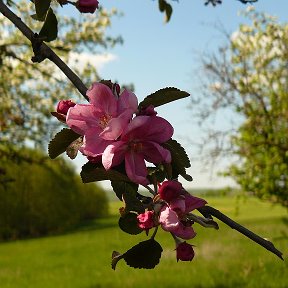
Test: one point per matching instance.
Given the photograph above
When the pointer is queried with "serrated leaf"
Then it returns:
(49, 29)
(61, 141)
(73, 148)
(92, 172)
(132, 203)
(146, 254)
(163, 96)
(41, 7)
(180, 159)
(129, 224)
(119, 187)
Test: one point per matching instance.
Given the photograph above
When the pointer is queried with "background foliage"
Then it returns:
(44, 197)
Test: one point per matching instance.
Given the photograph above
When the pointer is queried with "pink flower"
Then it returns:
(140, 141)
(170, 190)
(184, 252)
(170, 222)
(64, 105)
(87, 6)
(173, 215)
(103, 120)
(146, 220)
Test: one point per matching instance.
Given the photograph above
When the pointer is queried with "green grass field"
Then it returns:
(224, 258)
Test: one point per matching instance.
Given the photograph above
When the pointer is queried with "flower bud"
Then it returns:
(87, 6)
(170, 190)
(184, 252)
(64, 105)
(146, 220)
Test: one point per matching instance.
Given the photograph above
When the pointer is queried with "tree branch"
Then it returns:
(41, 50)
(208, 211)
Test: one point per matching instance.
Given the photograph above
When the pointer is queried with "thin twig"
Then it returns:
(207, 211)
(43, 50)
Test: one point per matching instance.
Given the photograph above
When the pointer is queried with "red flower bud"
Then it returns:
(87, 6)
(170, 190)
(64, 105)
(184, 252)
(146, 220)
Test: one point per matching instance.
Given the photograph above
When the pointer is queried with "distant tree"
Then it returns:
(249, 79)
(30, 91)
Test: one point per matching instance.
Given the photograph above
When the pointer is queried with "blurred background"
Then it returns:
(232, 59)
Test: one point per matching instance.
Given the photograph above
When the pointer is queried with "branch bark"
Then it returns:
(41, 50)
(208, 211)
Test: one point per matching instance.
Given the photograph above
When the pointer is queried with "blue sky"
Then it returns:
(157, 55)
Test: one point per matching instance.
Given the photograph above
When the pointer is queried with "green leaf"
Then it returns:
(49, 29)
(156, 174)
(121, 187)
(161, 4)
(146, 254)
(163, 96)
(92, 172)
(132, 203)
(180, 159)
(41, 7)
(61, 141)
(129, 224)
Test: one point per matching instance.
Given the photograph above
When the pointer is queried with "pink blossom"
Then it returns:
(184, 252)
(170, 222)
(87, 6)
(64, 105)
(173, 215)
(140, 141)
(146, 220)
(170, 190)
(103, 120)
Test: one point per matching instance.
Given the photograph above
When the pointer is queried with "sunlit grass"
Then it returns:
(224, 258)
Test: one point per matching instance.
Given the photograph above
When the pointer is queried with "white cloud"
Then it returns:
(97, 60)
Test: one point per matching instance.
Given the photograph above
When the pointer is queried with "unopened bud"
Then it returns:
(87, 6)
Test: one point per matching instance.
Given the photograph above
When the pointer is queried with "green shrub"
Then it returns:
(45, 197)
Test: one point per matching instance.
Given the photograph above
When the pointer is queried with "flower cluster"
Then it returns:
(111, 133)
(171, 210)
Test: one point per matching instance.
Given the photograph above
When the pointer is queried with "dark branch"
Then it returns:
(41, 50)
(208, 211)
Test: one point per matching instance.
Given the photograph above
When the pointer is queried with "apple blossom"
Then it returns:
(64, 105)
(140, 141)
(146, 220)
(103, 120)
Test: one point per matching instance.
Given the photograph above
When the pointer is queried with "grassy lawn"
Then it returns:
(223, 258)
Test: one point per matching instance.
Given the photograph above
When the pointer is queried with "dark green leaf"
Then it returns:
(36, 17)
(180, 160)
(61, 141)
(120, 187)
(49, 29)
(161, 4)
(146, 254)
(92, 172)
(168, 12)
(163, 96)
(132, 203)
(129, 223)
(156, 174)
(41, 7)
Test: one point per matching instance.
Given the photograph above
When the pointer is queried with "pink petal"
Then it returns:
(155, 153)
(116, 126)
(178, 205)
(114, 154)
(82, 117)
(135, 167)
(168, 219)
(127, 100)
(102, 98)
(93, 145)
(148, 128)
(193, 202)
(184, 232)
